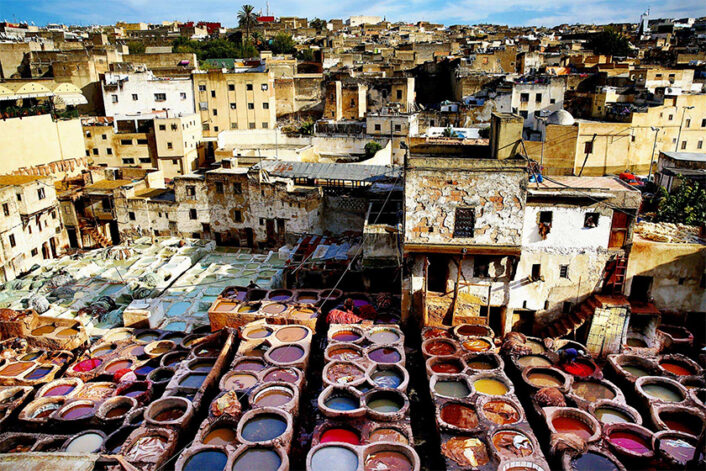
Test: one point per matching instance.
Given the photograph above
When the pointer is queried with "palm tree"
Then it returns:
(247, 18)
(449, 132)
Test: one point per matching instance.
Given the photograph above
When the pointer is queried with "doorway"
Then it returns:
(640, 288)
(437, 273)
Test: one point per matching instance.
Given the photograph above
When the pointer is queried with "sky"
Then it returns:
(512, 12)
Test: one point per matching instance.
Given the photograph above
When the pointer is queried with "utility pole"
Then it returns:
(654, 146)
(684, 108)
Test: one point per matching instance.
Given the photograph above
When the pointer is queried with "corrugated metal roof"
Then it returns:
(686, 156)
(329, 171)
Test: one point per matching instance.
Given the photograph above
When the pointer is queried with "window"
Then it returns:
(566, 307)
(174, 127)
(126, 142)
(175, 161)
(12, 240)
(6, 209)
(251, 125)
(231, 87)
(182, 95)
(234, 125)
(703, 123)
(700, 144)
(202, 87)
(162, 127)
(88, 152)
(688, 122)
(128, 161)
(203, 106)
(670, 117)
(213, 94)
(524, 97)
(205, 126)
(552, 100)
(142, 142)
(683, 145)
(399, 94)
(190, 190)
(104, 137)
(524, 114)
(265, 125)
(481, 264)
(398, 127)
(237, 188)
(265, 106)
(536, 271)
(114, 98)
(192, 214)
(134, 97)
(170, 145)
(264, 87)
(232, 106)
(35, 252)
(215, 128)
(95, 151)
(588, 147)
(251, 106)
(19, 196)
(219, 188)
(109, 151)
(590, 220)
(40, 193)
(377, 127)
(131, 215)
(465, 222)
(352, 102)
(248, 87)
(237, 216)
(88, 133)
(538, 98)
(563, 271)
(214, 112)
(145, 160)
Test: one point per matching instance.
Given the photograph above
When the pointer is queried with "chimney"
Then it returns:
(505, 135)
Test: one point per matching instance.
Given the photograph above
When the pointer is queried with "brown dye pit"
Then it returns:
(476, 345)
(45, 410)
(511, 443)
(118, 411)
(450, 367)
(387, 435)
(544, 380)
(97, 393)
(240, 381)
(43, 330)
(344, 373)
(220, 436)
(273, 397)
(286, 375)
(388, 460)
(169, 414)
(70, 332)
(14, 369)
(466, 451)
(591, 391)
(481, 364)
(274, 309)
(347, 354)
(533, 360)
(118, 365)
(439, 348)
(291, 334)
(501, 413)
(459, 415)
(435, 333)
(250, 366)
(148, 448)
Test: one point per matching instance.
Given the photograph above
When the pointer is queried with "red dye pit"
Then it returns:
(578, 368)
(572, 426)
(340, 435)
(629, 441)
(676, 368)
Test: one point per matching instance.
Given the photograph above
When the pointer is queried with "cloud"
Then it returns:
(513, 12)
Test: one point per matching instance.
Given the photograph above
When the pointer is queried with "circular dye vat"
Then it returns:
(435, 333)
(248, 309)
(342, 403)
(572, 426)
(274, 309)
(85, 443)
(592, 391)
(467, 452)
(591, 461)
(387, 435)
(535, 346)
(117, 411)
(340, 435)
(193, 380)
(240, 381)
(144, 370)
(676, 368)
(249, 365)
(208, 351)
(449, 367)
(544, 380)
(579, 368)
(346, 336)
(148, 336)
(387, 459)
(459, 415)
(307, 299)
(260, 459)
(263, 427)
(663, 392)
(512, 443)
(43, 330)
(274, 396)
(635, 370)
(78, 411)
(70, 332)
(533, 360)
(286, 375)
(118, 365)
(173, 358)
(286, 353)
(220, 436)
(31, 356)
(384, 403)
(682, 422)
(439, 348)
(609, 415)
(260, 333)
(629, 441)
(170, 414)
(384, 336)
(344, 373)
(45, 411)
(59, 390)
(213, 460)
(201, 366)
(344, 353)
(675, 332)
(334, 457)
(501, 412)
(452, 388)
(280, 296)
(387, 378)
(139, 351)
(636, 342)
(477, 345)
(482, 364)
(385, 355)
(680, 450)
(291, 334)
(38, 373)
(14, 369)
(147, 446)
(490, 386)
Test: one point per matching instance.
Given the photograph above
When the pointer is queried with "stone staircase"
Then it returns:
(99, 238)
(568, 323)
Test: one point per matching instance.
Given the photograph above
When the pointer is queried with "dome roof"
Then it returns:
(561, 117)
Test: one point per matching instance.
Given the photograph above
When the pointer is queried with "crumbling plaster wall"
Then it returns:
(432, 196)
(567, 228)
